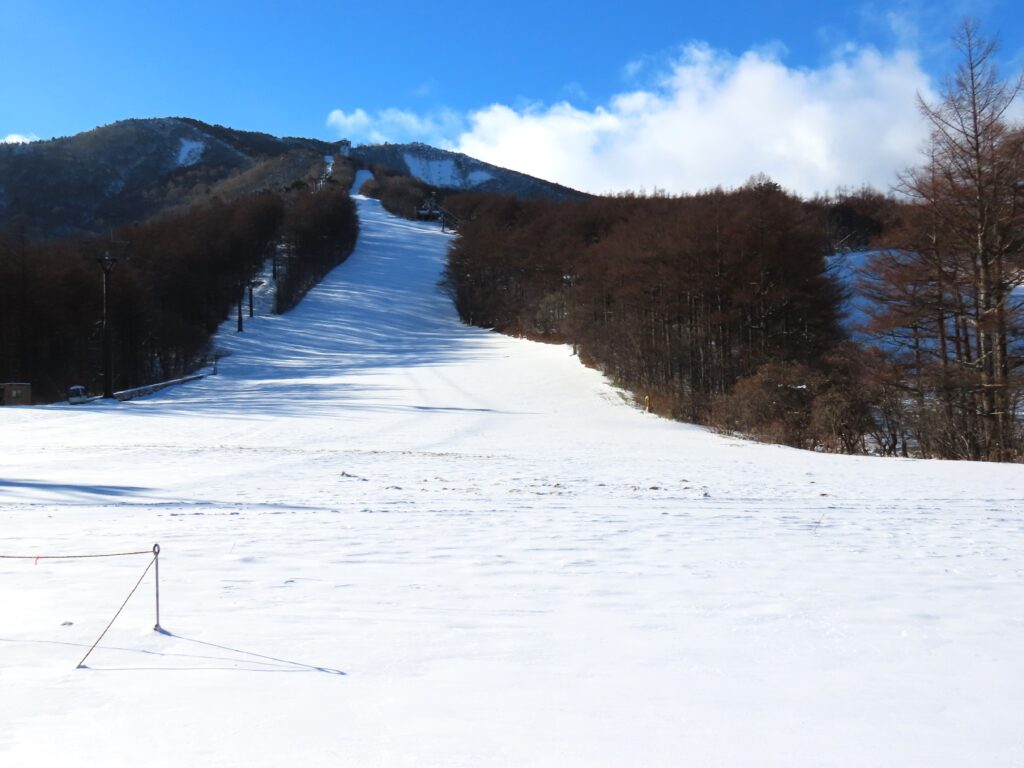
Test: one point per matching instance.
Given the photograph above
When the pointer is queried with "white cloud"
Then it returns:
(348, 123)
(709, 119)
(397, 125)
(18, 138)
(716, 120)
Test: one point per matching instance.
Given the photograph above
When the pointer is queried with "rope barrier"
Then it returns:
(73, 557)
(155, 552)
(91, 649)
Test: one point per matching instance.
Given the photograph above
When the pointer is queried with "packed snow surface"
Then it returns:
(392, 540)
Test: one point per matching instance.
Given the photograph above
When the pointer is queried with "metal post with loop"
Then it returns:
(156, 562)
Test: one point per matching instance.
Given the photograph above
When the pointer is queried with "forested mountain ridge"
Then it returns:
(133, 169)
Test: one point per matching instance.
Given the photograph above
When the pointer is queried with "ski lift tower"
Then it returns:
(107, 261)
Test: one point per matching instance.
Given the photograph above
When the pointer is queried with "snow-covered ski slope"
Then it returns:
(393, 540)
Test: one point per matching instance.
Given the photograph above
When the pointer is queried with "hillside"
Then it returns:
(452, 170)
(389, 539)
(131, 170)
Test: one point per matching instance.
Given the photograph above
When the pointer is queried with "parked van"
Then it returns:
(77, 395)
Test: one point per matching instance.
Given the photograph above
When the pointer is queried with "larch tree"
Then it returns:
(959, 259)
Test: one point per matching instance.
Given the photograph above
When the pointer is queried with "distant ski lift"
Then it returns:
(428, 209)
(77, 395)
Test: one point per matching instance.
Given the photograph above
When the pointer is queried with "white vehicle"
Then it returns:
(76, 395)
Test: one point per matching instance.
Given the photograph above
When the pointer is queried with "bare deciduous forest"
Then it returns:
(176, 279)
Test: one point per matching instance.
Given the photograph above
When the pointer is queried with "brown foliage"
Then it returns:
(774, 405)
(401, 195)
(944, 285)
(321, 230)
(674, 298)
(176, 278)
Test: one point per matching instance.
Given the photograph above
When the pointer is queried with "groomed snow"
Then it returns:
(393, 540)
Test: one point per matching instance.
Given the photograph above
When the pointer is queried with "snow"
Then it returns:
(389, 539)
(362, 176)
(189, 152)
(436, 172)
(443, 172)
(478, 177)
(328, 165)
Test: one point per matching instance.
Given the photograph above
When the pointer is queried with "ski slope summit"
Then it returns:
(393, 540)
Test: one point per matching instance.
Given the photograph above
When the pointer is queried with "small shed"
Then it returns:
(15, 393)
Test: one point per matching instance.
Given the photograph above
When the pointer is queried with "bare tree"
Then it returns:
(968, 238)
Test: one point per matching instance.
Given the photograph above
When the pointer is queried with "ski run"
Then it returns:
(389, 539)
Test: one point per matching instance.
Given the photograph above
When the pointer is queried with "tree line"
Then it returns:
(677, 299)
(398, 193)
(320, 231)
(176, 279)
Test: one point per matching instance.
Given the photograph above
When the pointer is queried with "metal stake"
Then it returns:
(156, 562)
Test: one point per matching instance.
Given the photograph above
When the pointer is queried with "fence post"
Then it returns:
(156, 561)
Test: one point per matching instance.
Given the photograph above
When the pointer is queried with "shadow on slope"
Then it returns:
(72, 489)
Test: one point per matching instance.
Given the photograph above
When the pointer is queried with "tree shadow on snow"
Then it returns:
(74, 489)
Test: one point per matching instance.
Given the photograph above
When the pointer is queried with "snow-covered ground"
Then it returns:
(190, 152)
(444, 172)
(392, 540)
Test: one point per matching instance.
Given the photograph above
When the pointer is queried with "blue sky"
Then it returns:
(488, 77)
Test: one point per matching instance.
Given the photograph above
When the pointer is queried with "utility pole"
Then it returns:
(241, 300)
(107, 262)
(254, 283)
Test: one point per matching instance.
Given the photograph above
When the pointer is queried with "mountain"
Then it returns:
(453, 170)
(135, 169)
